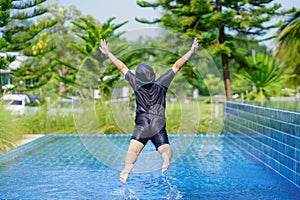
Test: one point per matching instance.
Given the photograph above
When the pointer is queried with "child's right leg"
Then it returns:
(135, 147)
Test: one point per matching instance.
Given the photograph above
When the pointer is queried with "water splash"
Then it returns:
(129, 194)
(173, 193)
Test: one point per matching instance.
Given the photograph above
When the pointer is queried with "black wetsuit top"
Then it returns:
(150, 121)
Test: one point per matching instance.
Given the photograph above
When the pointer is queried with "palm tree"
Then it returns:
(288, 47)
(267, 71)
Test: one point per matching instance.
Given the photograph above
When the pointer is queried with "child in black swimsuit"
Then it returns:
(150, 121)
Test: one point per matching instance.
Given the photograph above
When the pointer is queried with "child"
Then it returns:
(150, 121)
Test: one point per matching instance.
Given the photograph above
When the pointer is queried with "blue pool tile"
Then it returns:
(290, 151)
(293, 117)
(272, 114)
(291, 140)
(297, 130)
(272, 135)
(262, 121)
(292, 130)
(280, 137)
(282, 170)
(272, 163)
(287, 128)
(297, 152)
(297, 167)
(297, 119)
(275, 144)
(264, 158)
(290, 117)
(290, 163)
(288, 173)
(282, 116)
(285, 138)
(277, 166)
(297, 143)
(281, 147)
(267, 131)
(272, 153)
(254, 109)
(270, 140)
(297, 182)
(282, 159)
(279, 125)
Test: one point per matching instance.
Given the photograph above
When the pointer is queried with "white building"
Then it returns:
(7, 82)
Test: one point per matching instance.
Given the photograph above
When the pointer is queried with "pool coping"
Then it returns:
(29, 138)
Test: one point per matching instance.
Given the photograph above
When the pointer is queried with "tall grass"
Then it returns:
(181, 118)
(10, 129)
(194, 118)
(42, 122)
(105, 118)
(116, 118)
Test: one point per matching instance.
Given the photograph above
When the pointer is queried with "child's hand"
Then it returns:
(104, 47)
(194, 45)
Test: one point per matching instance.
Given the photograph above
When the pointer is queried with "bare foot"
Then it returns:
(166, 162)
(125, 172)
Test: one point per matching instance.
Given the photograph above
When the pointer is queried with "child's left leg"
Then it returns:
(166, 153)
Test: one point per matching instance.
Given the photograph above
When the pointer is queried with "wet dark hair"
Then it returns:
(145, 73)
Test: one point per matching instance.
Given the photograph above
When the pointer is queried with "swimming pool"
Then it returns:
(61, 167)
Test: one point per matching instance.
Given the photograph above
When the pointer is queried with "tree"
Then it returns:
(43, 70)
(288, 47)
(215, 23)
(20, 31)
(90, 32)
(25, 24)
(268, 71)
(4, 63)
(250, 48)
(4, 19)
(63, 34)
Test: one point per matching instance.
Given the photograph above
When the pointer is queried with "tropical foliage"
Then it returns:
(288, 47)
(90, 70)
(216, 23)
(264, 72)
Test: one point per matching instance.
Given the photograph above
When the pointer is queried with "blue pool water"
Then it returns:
(61, 167)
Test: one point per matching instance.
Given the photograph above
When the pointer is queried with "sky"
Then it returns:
(123, 10)
(128, 9)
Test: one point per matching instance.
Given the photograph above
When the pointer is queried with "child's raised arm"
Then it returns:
(119, 64)
(181, 61)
